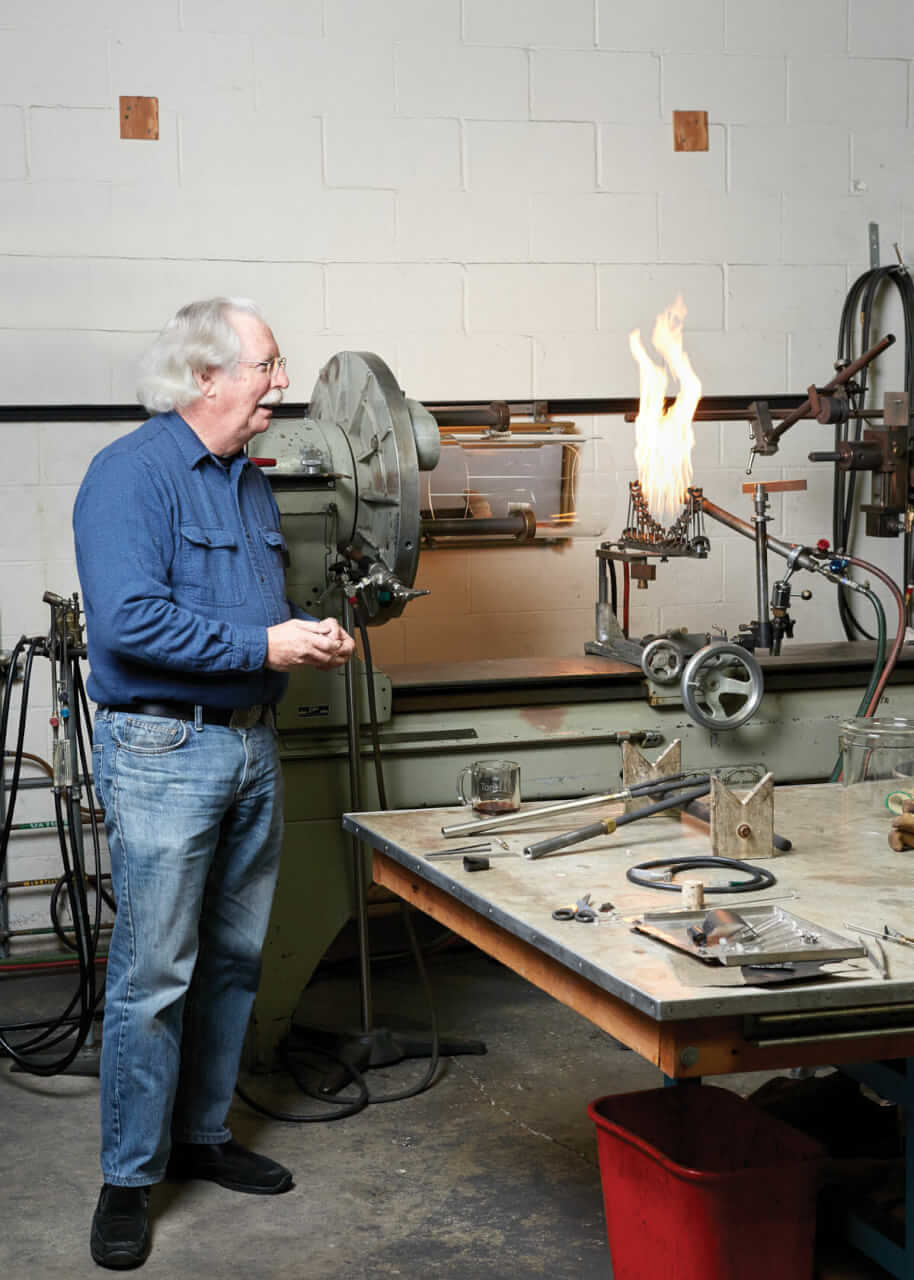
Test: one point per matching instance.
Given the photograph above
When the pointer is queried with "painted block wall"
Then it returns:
(485, 192)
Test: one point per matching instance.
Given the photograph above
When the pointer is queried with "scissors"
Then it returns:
(582, 910)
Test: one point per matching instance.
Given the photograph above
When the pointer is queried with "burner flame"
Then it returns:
(664, 438)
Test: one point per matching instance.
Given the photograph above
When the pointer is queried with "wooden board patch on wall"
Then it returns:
(690, 130)
(140, 118)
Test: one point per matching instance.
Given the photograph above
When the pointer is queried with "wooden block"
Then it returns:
(690, 131)
(140, 118)
(775, 486)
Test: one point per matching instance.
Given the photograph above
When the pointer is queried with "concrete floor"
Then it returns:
(490, 1174)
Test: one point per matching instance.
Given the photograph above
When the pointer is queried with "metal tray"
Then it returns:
(779, 937)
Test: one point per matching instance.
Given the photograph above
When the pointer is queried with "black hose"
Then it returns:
(759, 877)
(75, 1021)
(861, 299)
(347, 1107)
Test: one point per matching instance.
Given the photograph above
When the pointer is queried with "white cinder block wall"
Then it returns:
(484, 192)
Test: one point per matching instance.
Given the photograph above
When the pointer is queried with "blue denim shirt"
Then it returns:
(181, 563)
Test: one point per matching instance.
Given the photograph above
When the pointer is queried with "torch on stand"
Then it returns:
(720, 681)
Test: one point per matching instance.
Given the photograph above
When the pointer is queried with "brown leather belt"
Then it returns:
(228, 717)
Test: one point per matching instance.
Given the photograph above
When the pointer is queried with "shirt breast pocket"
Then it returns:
(276, 549)
(207, 568)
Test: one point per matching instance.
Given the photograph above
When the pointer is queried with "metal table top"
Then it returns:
(840, 869)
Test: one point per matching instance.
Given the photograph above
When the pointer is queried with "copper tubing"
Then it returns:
(785, 549)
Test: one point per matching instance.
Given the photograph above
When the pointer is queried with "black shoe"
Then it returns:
(120, 1231)
(229, 1164)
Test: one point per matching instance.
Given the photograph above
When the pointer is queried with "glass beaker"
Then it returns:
(878, 755)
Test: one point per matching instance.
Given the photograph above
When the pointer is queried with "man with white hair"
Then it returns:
(180, 558)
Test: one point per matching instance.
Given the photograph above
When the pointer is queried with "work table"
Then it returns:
(645, 992)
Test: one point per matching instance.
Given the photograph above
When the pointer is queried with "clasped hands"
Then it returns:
(297, 643)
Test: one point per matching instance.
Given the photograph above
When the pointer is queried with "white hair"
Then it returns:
(200, 337)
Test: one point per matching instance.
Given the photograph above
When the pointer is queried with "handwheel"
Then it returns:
(722, 685)
(663, 660)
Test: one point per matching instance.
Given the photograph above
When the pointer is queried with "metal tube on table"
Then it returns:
(479, 847)
(608, 825)
(566, 806)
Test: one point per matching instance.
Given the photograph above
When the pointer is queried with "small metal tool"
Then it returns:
(463, 848)
(887, 934)
(876, 956)
(893, 935)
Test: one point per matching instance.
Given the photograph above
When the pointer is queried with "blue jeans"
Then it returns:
(194, 825)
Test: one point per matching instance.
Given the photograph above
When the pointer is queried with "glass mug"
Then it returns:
(490, 786)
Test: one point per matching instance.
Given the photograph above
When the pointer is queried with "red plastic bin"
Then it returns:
(699, 1184)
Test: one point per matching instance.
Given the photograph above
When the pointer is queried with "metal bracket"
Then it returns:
(762, 428)
(873, 238)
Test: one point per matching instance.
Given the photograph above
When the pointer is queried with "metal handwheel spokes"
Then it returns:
(722, 686)
(663, 661)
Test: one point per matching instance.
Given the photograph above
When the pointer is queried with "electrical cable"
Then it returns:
(358, 614)
(428, 1077)
(347, 1107)
(899, 634)
(875, 674)
(75, 1021)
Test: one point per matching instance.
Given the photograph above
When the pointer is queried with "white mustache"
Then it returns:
(272, 397)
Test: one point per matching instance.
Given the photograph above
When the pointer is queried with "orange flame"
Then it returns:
(664, 440)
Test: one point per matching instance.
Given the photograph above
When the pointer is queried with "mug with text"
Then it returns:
(490, 786)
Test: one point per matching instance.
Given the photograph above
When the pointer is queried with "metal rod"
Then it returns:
(497, 414)
(355, 799)
(785, 549)
(744, 415)
(476, 527)
(299, 409)
(659, 786)
(765, 633)
(845, 375)
(479, 847)
(608, 825)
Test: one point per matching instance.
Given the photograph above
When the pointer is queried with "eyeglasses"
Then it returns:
(271, 366)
